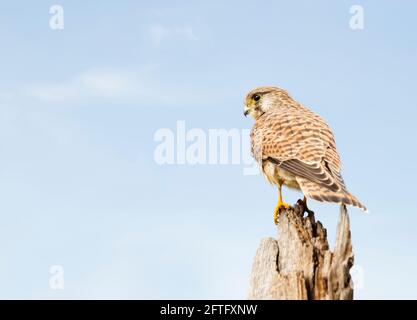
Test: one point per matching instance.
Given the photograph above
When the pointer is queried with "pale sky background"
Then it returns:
(79, 107)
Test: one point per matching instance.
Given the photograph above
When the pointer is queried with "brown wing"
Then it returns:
(313, 172)
(300, 142)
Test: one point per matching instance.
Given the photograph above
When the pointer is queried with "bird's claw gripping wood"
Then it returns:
(279, 206)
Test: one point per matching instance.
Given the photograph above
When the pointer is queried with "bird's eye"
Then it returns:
(256, 97)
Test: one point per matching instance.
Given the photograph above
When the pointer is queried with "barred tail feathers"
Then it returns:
(319, 193)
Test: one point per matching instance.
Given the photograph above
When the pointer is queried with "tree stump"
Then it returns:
(298, 265)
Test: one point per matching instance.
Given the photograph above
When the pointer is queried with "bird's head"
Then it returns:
(261, 99)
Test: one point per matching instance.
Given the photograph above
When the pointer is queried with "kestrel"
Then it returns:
(295, 147)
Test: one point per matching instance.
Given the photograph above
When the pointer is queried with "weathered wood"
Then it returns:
(298, 265)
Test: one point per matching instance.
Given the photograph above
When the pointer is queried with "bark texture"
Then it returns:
(299, 265)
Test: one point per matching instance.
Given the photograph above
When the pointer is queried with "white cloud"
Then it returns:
(140, 87)
(90, 84)
(159, 33)
(108, 83)
(53, 92)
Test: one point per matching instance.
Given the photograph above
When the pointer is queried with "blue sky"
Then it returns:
(79, 108)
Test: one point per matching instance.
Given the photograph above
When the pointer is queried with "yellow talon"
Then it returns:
(280, 205)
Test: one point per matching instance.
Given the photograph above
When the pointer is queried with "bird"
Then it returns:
(295, 147)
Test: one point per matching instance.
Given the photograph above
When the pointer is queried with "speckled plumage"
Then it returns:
(295, 147)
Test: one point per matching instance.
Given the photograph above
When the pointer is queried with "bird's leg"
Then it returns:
(280, 205)
(303, 205)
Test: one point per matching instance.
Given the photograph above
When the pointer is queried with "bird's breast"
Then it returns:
(276, 175)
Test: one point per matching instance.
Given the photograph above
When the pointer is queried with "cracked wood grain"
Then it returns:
(299, 265)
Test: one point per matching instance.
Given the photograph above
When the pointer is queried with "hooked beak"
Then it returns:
(246, 111)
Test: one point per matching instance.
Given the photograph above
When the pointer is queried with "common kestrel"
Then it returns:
(295, 147)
